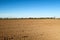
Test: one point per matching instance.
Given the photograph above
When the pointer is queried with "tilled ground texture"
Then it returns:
(30, 29)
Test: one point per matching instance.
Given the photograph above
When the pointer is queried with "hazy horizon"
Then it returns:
(29, 8)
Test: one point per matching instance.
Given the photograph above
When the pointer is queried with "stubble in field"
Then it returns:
(30, 29)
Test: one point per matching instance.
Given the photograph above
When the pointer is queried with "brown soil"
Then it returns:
(30, 29)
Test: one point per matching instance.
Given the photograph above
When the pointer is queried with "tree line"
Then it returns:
(31, 18)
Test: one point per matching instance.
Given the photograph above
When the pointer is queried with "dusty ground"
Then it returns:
(30, 29)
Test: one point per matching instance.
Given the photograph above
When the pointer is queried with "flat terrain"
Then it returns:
(30, 29)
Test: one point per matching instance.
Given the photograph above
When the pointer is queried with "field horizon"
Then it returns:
(33, 18)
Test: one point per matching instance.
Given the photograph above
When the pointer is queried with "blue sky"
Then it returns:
(29, 8)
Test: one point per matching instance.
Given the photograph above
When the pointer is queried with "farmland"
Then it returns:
(30, 29)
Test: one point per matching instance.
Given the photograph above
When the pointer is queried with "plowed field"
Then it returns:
(30, 29)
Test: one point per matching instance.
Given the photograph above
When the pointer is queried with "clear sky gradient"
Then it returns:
(29, 8)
